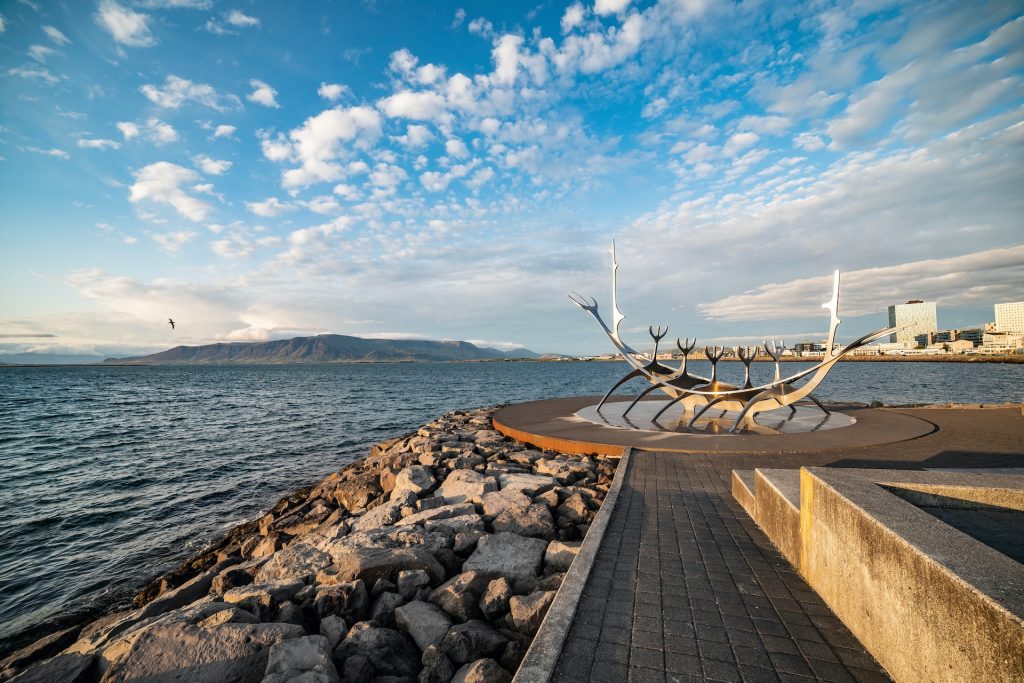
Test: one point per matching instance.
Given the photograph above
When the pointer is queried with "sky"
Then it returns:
(452, 170)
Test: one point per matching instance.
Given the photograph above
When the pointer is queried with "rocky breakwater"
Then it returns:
(434, 559)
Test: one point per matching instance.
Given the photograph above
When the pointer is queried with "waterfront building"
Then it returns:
(914, 317)
(974, 335)
(1010, 317)
(1002, 342)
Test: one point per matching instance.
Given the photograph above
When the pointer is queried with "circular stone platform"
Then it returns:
(571, 425)
(809, 418)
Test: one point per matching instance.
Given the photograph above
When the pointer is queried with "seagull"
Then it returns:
(171, 322)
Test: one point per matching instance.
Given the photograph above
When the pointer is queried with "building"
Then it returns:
(961, 346)
(974, 335)
(1002, 342)
(1010, 317)
(914, 317)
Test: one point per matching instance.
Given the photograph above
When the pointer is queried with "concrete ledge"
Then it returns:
(743, 491)
(541, 658)
(777, 505)
(928, 601)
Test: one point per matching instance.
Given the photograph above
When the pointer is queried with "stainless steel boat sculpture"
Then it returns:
(698, 394)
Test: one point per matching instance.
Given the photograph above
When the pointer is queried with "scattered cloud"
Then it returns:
(34, 73)
(52, 152)
(211, 166)
(126, 26)
(263, 94)
(224, 131)
(176, 91)
(98, 143)
(332, 91)
(240, 19)
(128, 129)
(55, 34)
(271, 207)
(172, 242)
(40, 52)
(162, 183)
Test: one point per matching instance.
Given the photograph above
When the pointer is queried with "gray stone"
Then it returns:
(560, 554)
(460, 596)
(463, 485)
(494, 601)
(383, 611)
(333, 628)
(357, 669)
(357, 492)
(439, 512)
(260, 598)
(466, 540)
(533, 520)
(373, 564)
(549, 498)
(411, 580)
(65, 668)
(437, 668)
(382, 515)
(565, 471)
(527, 484)
(462, 523)
(525, 457)
(517, 558)
(482, 671)
(499, 501)
(309, 657)
(383, 586)
(417, 479)
(429, 503)
(349, 601)
(528, 610)
(426, 623)
(298, 561)
(512, 655)
(391, 652)
(575, 509)
(471, 641)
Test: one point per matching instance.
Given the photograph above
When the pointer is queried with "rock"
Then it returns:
(440, 512)
(560, 554)
(575, 509)
(66, 668)
(461, 523)
(357, 669)
(417, 479)
(383, 610)
(264, 546)
(410, 581)
(429, 459)
(517, 558)
(494, 601)
(308, 657)
(460, 596)
(333, 628)
(465, 485)
(39, 650)
(261, 598)
(525, 457)
(565, 471)
(391, 653)
(235, 576)
(426, 623)
(387, 480)
(349, 601)
(512, 655)
(298, 561)
(175, 643)
(499, 501)
(357, 492)
(528, 610)
(429, 503)
(466, 540)
(383, 586)
(482, 671)
(527, 484)
(533, 520)
(382, 515)
(549, 498)
(437, 668)
(471, 641)
(372, 564)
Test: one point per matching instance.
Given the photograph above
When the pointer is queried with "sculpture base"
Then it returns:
(809, 418)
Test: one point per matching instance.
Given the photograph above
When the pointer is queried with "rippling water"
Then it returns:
(112, 475)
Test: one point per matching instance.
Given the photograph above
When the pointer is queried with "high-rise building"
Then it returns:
(914, 317)
(1010, 317)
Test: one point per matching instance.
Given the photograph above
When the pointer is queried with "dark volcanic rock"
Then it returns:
(390, 652)
(473, 640)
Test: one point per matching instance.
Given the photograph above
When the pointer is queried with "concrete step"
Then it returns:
(743, 491)
(777, 496)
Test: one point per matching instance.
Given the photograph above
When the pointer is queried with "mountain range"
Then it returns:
(326, 348)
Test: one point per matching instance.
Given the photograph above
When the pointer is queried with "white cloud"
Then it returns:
(128, 129)
(345, 191)
(172, 242)
(271, 207)
(573, 17)
(809, 141)
(332, 91)
(211, 166)
(53, 152)
(235, 247)
(3, 24)
(262, 94)
(98, 143)
(415, 136)
(456, 148)
(241, 20)
(176, 91)
(159, 132)
(738, 142)
(419, 106)
(387, 176)
(318, 143)
(40, 52)
(126, 26)
(433, 181)
(34, 73)
(324, 204)
(765, 125)
(224, 131)
(161, 183)
(602, 7)
(56, 35)
(480, 178)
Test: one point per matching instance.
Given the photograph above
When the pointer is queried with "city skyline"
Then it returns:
(439, 171)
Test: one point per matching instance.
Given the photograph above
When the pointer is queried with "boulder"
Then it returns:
(532, 520)
(383, 610)
(517, 558)
(382, 515)
(460, 596)
(38, 650)
(549, 498)
(439, 512)
(66, 668)
(356, 669)
(308, 657)
(464, 485)
(298, 561)
(417, 479)
(527, 457)
(565, 471)
(528, 610)
(390, 652)
(372, 564)
(499, 501)
(575, 509)
(235, 576)
(333, 628)
(471, 641)
(482, 671)
(410, 581)
(512, 655)
(461, 523)
(260, 598)
(527, 484)
(437, 668)
(494, 601)
(426, 623)
(398, 536)
(349, 601)
(357, 492)
(560, 554)
(466, 540)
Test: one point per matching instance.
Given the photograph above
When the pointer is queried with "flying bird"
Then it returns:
(171, 322)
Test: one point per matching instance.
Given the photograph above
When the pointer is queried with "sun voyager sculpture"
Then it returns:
(698, 394)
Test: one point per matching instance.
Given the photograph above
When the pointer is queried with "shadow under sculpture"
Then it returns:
(698, 394)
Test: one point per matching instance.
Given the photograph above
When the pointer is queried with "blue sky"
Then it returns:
(451, 171)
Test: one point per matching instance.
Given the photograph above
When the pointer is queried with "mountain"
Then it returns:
(327, 348)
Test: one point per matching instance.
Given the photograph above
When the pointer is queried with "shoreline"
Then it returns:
(486, 486)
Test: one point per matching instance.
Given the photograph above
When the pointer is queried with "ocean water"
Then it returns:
(113, 475)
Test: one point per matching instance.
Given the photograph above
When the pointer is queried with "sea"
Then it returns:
(113, 475)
